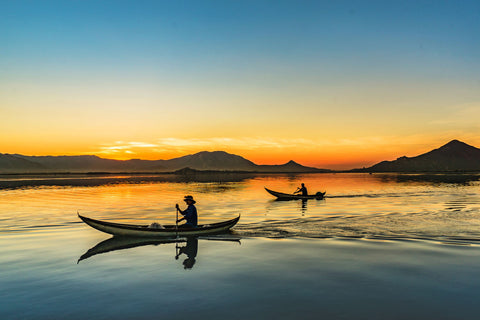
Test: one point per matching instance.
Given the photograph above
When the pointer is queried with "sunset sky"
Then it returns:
(332, 84)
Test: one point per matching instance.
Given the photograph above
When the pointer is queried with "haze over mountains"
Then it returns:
(452, 157)
(216, 160)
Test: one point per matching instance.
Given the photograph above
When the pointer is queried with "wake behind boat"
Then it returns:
(130, 230)
(289, 196)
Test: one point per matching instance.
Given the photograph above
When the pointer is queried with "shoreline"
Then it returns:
(188, 171)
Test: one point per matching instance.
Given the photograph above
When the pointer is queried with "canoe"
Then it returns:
(130, 230)
(289, 196)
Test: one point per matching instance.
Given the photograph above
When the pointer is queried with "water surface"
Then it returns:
(377, 247)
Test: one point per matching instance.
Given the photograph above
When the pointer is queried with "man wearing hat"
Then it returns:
(189, 214)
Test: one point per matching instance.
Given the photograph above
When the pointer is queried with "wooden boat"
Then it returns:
(289, 196)
(130, 230)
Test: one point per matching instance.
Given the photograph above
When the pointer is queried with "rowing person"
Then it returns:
(302, 189)
(189, 214)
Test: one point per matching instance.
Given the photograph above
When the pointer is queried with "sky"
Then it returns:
(332, 84)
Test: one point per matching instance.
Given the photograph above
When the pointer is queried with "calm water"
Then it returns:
(377, 247)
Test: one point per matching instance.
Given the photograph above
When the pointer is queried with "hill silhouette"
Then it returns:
(290, 166)
(12, 163)
(216, 160)
(455, 156)
(205, 160)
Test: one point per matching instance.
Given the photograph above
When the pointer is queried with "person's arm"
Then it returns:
(179, 210)
(297, 191)
(186, 213)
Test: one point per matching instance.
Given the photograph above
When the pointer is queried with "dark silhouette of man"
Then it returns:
(302, 189)
(189, 214)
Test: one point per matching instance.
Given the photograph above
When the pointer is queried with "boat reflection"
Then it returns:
(190, 249)
(283, 205)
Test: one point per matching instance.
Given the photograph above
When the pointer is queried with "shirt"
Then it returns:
(304, 191)
(190, 215)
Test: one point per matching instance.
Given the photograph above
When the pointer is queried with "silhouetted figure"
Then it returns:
(302, 189)
(189, 214)
(190, 250)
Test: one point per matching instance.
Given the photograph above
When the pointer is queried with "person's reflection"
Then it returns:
(304, 206)
(190, 250)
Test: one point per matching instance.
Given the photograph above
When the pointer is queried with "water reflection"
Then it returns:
(461, 202)
(453, 178)
(95, 180)
(189, 249)
(120, 243)
(292, 208)
(304, 206)
(18, 181)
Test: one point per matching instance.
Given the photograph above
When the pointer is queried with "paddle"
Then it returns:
(176, 224)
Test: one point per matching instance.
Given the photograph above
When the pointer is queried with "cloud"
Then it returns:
(183, 145)
(123, 147)
(248, 143)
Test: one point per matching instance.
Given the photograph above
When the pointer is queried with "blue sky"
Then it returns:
(209, 36)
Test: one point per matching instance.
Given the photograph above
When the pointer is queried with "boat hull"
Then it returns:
(143, 231)
(287, 196)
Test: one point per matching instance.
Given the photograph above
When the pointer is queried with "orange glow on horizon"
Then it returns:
(339, 155)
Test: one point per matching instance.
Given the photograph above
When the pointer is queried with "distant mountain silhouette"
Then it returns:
(13, 163)
(454, 156)
(216, 160)
(290, 166)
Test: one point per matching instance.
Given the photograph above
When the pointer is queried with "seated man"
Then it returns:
(303, 190)
(189, 214)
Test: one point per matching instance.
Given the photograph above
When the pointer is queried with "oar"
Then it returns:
(176, 251)
(176, 225)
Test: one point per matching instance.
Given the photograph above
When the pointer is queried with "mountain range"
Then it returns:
(454, 156)
(205, 160)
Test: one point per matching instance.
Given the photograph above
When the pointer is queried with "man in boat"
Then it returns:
(302, 189)
(189, 214)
